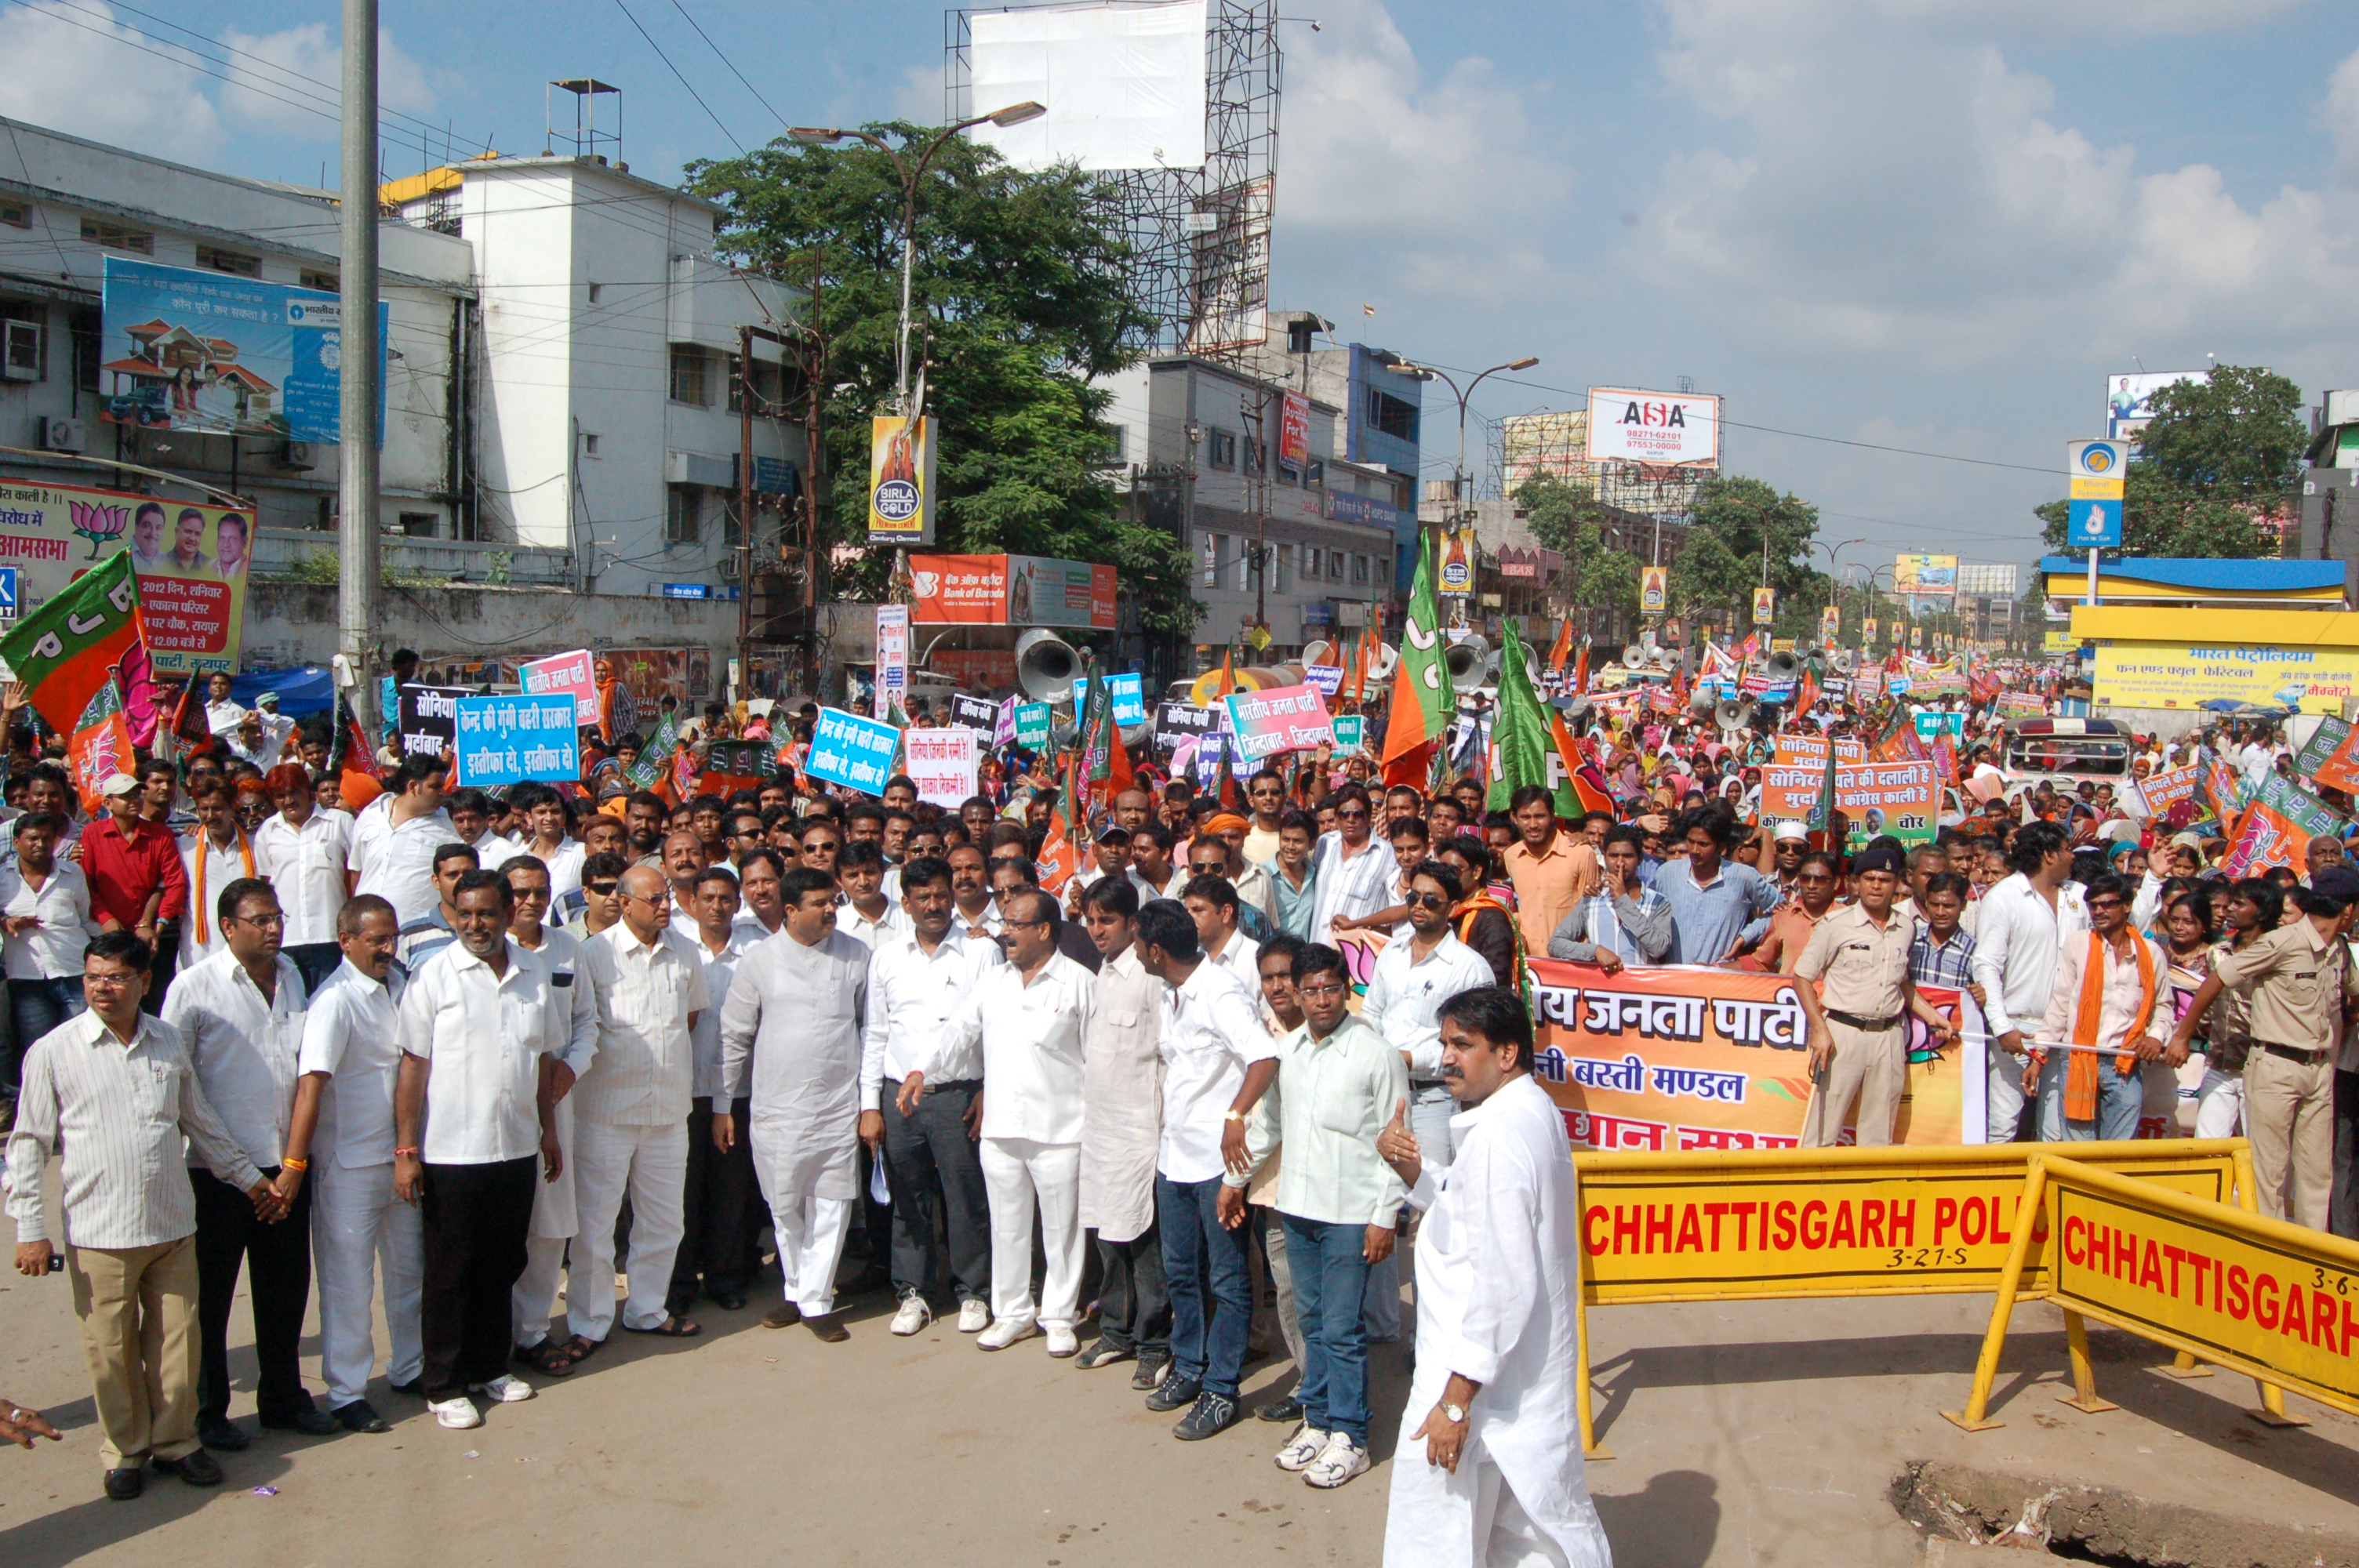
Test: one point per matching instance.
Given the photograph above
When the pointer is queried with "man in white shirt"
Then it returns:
(45, 913)
(122, 1080)
(545, 837)
(213, 854)
(917, 981)
(867, 914)
(555, 1216)
(1354, 872)
(717, 1191)
(1338, 1083)
(1498, 1274)
(682, 859)
(2087, 1095)
(473, 1119)
(423, 936)
(1211, 902)
(2024, 923)
(1026, 1016)
(791, 1040)
(975, 913)
(343, 1111)
(240, 1013)
(1410, 981)
(630, 1114)
(302, 851)
(470, 811)
(1123, 1073)
(1151, 871)
(1217, 1060)
(394, 837)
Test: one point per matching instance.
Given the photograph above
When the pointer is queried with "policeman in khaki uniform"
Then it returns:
(2302, 984)
(1859, 956)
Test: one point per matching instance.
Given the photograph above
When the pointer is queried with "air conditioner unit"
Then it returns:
(63, 435)
(20, 351)
(296, 455)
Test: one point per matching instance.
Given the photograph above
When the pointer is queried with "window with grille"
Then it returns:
(682, 505)
(236, 263)
(691, 378)
(326, 282)
(115, 237)
(1221, 449)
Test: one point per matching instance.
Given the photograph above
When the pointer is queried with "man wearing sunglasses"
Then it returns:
(1354, 872)
(2110, 991)
(1406, 990)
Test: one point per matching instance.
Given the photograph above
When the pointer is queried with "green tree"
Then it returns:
(1565, 517)
(2218, 454)
(1742, 513)
(1711, 580)
(1018, 299)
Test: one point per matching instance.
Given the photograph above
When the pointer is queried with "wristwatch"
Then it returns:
(1457, 1414)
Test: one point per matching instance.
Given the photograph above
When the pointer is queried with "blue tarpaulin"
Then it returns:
(301, 693)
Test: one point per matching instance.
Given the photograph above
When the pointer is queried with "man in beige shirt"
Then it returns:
(1859, 958)
(1552, 870)
(2302, 984)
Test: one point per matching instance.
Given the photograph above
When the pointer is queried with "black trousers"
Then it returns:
(277, 1261)
(315, 961)
(935, 1167)
(1134, 1302)
(714, 1201)
(2343, 1202)
(477, 1218)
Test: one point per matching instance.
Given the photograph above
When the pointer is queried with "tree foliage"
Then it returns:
(2218, 455)
(1565, 517)
(1721, 564)
(1018, 299)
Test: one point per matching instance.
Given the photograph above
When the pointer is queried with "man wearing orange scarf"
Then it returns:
(2107, 985)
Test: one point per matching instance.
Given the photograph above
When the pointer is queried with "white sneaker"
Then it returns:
(457, 1414)
(974, 1317)
(1337, 1463)
(1064, 1342)
(1007, 1332)
(914, 1315)
(505, 1390)
(1305, 1445)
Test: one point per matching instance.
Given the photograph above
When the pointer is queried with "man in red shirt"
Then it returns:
(136, 881)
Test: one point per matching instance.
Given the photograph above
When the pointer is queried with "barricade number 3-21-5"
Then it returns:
(1927, 1257)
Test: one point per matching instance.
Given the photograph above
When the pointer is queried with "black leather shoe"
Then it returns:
(310, 1421)
(359, 1416)
(415, 1388)
(126, 1484)
(1212, 1413)
(197, 1467)
(226, 1436)
(1280, 1410)
(1176, 1392)
(728, 1300)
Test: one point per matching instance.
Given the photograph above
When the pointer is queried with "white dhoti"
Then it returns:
(533, 1303)
(651, 1163)
(1014, 1171)
(811, 1232)
(360, 1232)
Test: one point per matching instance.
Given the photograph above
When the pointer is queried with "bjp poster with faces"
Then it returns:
(192, 561)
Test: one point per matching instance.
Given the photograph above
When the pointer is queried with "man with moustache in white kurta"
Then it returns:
(1489, 1473)
(791, 1040)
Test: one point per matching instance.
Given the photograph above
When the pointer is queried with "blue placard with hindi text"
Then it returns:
(505, 740)
(853, 751)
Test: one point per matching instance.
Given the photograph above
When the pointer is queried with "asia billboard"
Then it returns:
(184, 349)
(1673, 429)
(1011, 590)
(1925, 576)
(192, 562)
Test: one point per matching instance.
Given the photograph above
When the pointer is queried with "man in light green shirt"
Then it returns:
(1338, 1083)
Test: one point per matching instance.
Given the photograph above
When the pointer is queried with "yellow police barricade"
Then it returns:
(2219, 1283)
(1766, 1224)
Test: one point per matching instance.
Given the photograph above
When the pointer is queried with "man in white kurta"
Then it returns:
(1489, 1470)
(1123, 1078)
(790, 1041)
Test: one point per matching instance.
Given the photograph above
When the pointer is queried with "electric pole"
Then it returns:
(357, 347)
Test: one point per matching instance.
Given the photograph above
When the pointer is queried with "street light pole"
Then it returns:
(357, 346)
(1460, 512)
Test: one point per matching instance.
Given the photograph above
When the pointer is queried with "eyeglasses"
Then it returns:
(603, 890)
(1322, 989)
(273, 918)
(1351, 816)
(1428, 901)
(90, 979)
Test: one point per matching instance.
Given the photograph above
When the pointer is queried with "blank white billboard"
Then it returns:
(1123, 84)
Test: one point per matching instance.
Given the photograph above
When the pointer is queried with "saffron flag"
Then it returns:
(1424, 701)
(66, 651)
(99, 747)
(1562, 649)
(1589, 790)
(1580, 668)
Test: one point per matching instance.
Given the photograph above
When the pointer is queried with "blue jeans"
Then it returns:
(2119, 1099)
(1208, 1338)
(1330, 1273)
(35, 1007)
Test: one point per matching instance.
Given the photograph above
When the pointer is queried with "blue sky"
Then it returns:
(1924, 223)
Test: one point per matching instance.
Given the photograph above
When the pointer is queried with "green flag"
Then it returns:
(1423, 701)
(648, 767)
(1521, 731)
(1822, 810)
(74, 646)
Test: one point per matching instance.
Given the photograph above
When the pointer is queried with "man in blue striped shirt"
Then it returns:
(1719, 907)
(1941, 952)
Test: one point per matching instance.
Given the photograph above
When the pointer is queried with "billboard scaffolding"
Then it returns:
(1199, 230)
(1557, 443)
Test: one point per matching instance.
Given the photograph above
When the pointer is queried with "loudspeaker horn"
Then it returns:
(1466, 659)
(1732, 714)
(1576, 708)
(1046, 665)
(1388, 661)
(1634, 658)
(1783, 667)
(1321, 652)
(1842, 661)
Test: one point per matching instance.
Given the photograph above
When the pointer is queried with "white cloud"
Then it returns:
(280, 80)
(1448, 178)
(1899, 192)
(2340, 115)
(74, 68)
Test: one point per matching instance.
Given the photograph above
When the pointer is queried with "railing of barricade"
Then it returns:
(1759, 1225)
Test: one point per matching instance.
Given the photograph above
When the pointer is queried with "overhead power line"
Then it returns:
(692, 93)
